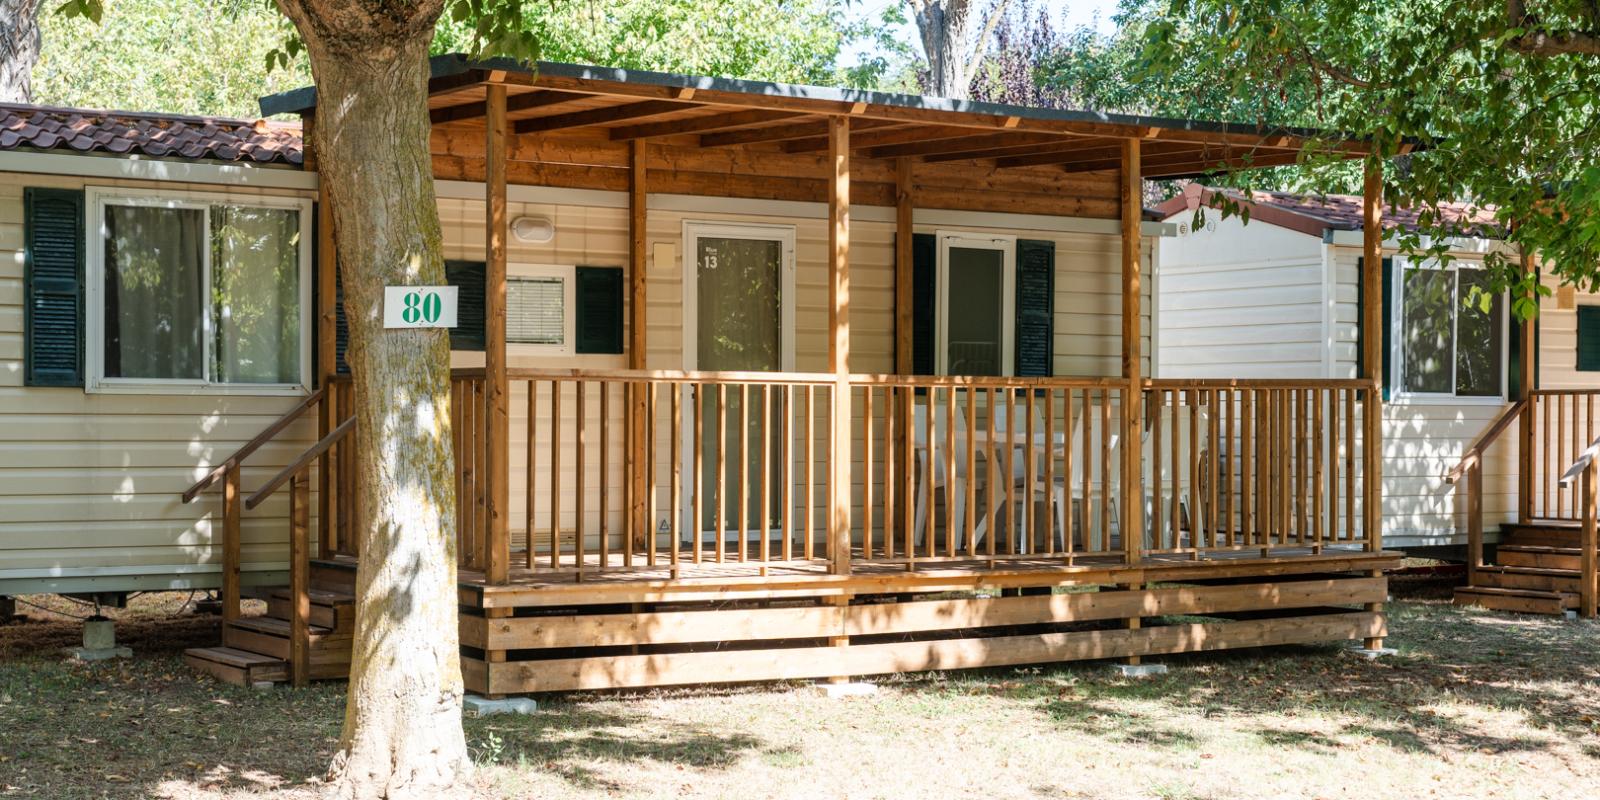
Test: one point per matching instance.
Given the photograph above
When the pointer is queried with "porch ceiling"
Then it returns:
(573, 126)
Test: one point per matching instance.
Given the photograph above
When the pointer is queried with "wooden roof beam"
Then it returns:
(601, 116)
(706, 124)
(1194, 161)
(783, 133)
(1096, 146)
(899, 133)
(521, 102)
(963, 144)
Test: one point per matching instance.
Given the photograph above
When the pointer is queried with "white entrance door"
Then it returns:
(738, 317)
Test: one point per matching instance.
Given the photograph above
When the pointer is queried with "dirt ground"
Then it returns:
(1475, 705)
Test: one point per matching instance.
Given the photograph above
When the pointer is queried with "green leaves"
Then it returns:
(93, 10)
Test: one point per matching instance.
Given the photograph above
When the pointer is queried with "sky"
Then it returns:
(1071, 14)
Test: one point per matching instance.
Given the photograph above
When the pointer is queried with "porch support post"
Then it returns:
(1372, 358)
(1529, 375)
(1132, 499)
(839, 343)
(639, 527)
(902, 267)
(496, 388)
(327, 345)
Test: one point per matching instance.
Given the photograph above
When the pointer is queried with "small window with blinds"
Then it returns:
(539, 309)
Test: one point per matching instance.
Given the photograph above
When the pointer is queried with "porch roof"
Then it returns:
(587, 117)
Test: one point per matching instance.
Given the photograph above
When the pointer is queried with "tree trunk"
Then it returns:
(19, 49)
(944, 28)
(402, 731)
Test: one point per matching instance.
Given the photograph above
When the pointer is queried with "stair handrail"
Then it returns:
(297, 475)
(299, 464)
(266, 435)
(1474, 452)
(1586, 467)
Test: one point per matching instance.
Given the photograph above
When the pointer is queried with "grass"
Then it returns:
(1476, 704)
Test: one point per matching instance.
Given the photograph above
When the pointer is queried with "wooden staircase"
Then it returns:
(256, 650)
(1538, 571)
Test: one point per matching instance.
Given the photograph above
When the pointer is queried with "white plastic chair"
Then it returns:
(956, 492)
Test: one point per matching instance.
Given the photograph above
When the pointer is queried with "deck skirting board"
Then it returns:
(871, 619)
(577, 674)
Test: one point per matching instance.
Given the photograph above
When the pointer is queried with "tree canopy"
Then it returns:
(1499, 99)
(211, 56)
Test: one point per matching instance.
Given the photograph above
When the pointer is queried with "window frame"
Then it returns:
(1400, 393)
(568, 275)
(96, 199)
(1006, 244)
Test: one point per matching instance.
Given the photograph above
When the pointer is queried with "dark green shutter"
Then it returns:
(469, 277)
(1589, 338)
(1514, 388)
(924, 296)
(599, 320)
(1387, 324)
(1035, 307)
(53, 286)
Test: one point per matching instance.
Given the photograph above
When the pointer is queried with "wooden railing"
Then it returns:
(1471, 467)
(1582, 477)
(1558, 424)
(733, 469)
(298, 476)
(229, 473)
(1256, 465)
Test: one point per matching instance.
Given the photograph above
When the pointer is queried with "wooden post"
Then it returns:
(497, 400)
(1590, 586)
(839, 343)
(903, 274)
(1474, 521)
(231, 502)
(327, 278)
(1132, 500)
(1529, 376)
(638, 494)
(1372, 344)
(299, 579)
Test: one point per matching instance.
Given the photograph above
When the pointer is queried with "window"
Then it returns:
(976, 305)
(189, 290)
(1447, 347)
(540, 308)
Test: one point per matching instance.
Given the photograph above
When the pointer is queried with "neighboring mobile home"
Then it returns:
(785, 382)
(1280, 295)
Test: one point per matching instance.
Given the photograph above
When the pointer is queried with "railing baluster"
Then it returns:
(972, 471)
(722, 471)
(555, 474)
(866, 470)
(788, 471)
(605, 471)
(763, 518)
(811, 442)
(697, 515)
(1050, 471)
(950, 472)
(675, 507)
(652, 483)
(581, 440)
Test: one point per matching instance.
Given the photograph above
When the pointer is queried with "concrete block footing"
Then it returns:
(1374, 653)
(99, 642)
(99, 653)
(838, 690)
(1571, 616)
(477, 706)
(1139, 670)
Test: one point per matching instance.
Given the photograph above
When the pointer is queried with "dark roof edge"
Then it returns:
(304, 99)
(154, 116)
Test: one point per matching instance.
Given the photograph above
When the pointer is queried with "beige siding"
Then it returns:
(90, 483)
(1558, 343)
(1241, 301)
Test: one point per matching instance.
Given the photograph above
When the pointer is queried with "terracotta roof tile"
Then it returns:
(156, 135)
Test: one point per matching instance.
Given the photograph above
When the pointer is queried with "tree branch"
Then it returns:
(1547, 43)
(978, 49)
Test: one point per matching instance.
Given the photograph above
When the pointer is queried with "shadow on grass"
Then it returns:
(585, 746)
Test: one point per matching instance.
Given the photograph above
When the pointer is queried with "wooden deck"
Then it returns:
(562, 630)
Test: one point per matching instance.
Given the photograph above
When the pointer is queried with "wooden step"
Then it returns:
(238, 667)
(1539, 556)
(1537, 578)
(335, 611)
(270, 637)
(1525, 601)
(1541, 534)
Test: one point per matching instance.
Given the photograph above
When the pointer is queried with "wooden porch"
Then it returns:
(641, 526)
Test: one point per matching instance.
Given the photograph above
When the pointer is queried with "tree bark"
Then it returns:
(19, 49)
(943, 25)
(402, 731)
